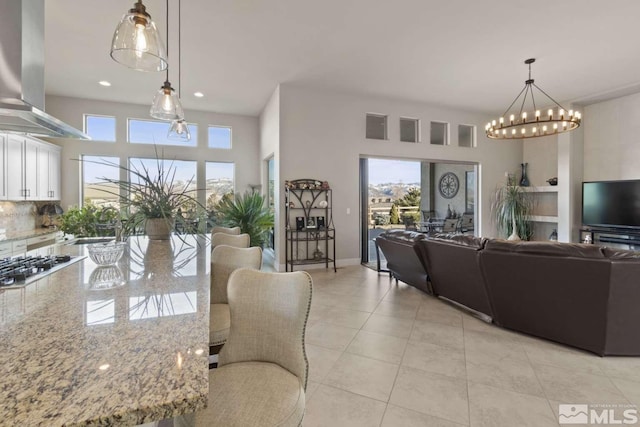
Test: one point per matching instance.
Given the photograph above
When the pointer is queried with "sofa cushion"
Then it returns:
(403, 236)
(621, 254)
(460, 239)
(555, 249)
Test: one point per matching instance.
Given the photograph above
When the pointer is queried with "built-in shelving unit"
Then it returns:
(545, 217)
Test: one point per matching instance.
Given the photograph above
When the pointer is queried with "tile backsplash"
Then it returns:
(18, 216)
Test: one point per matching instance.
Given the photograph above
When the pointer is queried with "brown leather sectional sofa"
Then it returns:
(403, 260)
(584, 296)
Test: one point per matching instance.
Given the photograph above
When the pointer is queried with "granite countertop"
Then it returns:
(75, 351)
(25, 234)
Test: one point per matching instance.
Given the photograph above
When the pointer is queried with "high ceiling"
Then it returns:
(461, 53)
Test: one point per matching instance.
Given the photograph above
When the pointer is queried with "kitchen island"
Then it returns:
(119, 345)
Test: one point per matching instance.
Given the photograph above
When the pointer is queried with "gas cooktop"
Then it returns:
(20, 271)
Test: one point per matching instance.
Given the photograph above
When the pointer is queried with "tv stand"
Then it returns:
(612, 237)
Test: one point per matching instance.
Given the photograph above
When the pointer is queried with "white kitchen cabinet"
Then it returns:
(48, 173)
(32, 169)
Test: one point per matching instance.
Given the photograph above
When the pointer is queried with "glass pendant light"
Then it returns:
(166, 104)
(179, 130)
(136, 43)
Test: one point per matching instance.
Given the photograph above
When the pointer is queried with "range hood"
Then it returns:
(22, 72)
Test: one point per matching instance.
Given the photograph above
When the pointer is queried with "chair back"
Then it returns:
(226, 230)
(466, 223)
(269, 314)
(239, 241)
(224, 261)
(428, 216)
(450, 225)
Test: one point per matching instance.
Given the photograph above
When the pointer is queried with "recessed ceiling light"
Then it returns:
(198, 94)
(104, 83)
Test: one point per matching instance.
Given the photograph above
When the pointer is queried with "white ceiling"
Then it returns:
(461, 53)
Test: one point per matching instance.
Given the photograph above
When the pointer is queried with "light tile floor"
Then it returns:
(382, 354)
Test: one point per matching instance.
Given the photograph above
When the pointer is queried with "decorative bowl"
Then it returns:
(106, 253)
(553, 181)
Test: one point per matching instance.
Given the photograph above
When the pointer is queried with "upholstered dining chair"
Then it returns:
(227, 230)
(238, 241)
(224, 260)
(450, 225)
(262, 371)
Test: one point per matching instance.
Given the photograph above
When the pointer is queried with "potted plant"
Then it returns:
(247, 211)
(511, 208)
(151, 199)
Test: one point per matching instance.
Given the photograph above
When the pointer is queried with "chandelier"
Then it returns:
(532, 124)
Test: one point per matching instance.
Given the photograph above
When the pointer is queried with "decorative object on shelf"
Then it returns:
(136, 43)
(311, 222)
(587, 239)
(307, 203)
(511, 209)
(318, 254)
(179, 129)
(320, 223)
(532, 124)
(300, 223)
(553, 181)
(449, 185)
(524, 180)
(554, 235)
(323, 204)
(166, 103)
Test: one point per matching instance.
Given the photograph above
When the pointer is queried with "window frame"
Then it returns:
(230, 137)
(446, 136)
(416, 129)
(85, 116)
(386, 126)
(193, 143)
(474, 137)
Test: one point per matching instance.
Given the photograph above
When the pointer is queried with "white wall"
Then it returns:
(322, 136)
(611, 148)
(244, 152)
(269, 123)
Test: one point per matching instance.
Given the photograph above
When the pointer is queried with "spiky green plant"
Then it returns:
(513, 204)
(247, 211)
(152, 194)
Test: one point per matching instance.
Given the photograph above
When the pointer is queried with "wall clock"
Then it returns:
(449, 185)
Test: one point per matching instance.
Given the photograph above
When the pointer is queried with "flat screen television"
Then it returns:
(611, 204)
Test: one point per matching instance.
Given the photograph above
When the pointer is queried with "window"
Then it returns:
(95, 189)
(183, 179)
(466, 136)
(409, 129)
(271, 183)
(376, 126)
(155, 132)
(100, 128)
(220, 137)
(219, 182)
(439, 133)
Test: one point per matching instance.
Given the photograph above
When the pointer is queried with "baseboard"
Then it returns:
(346, 262)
